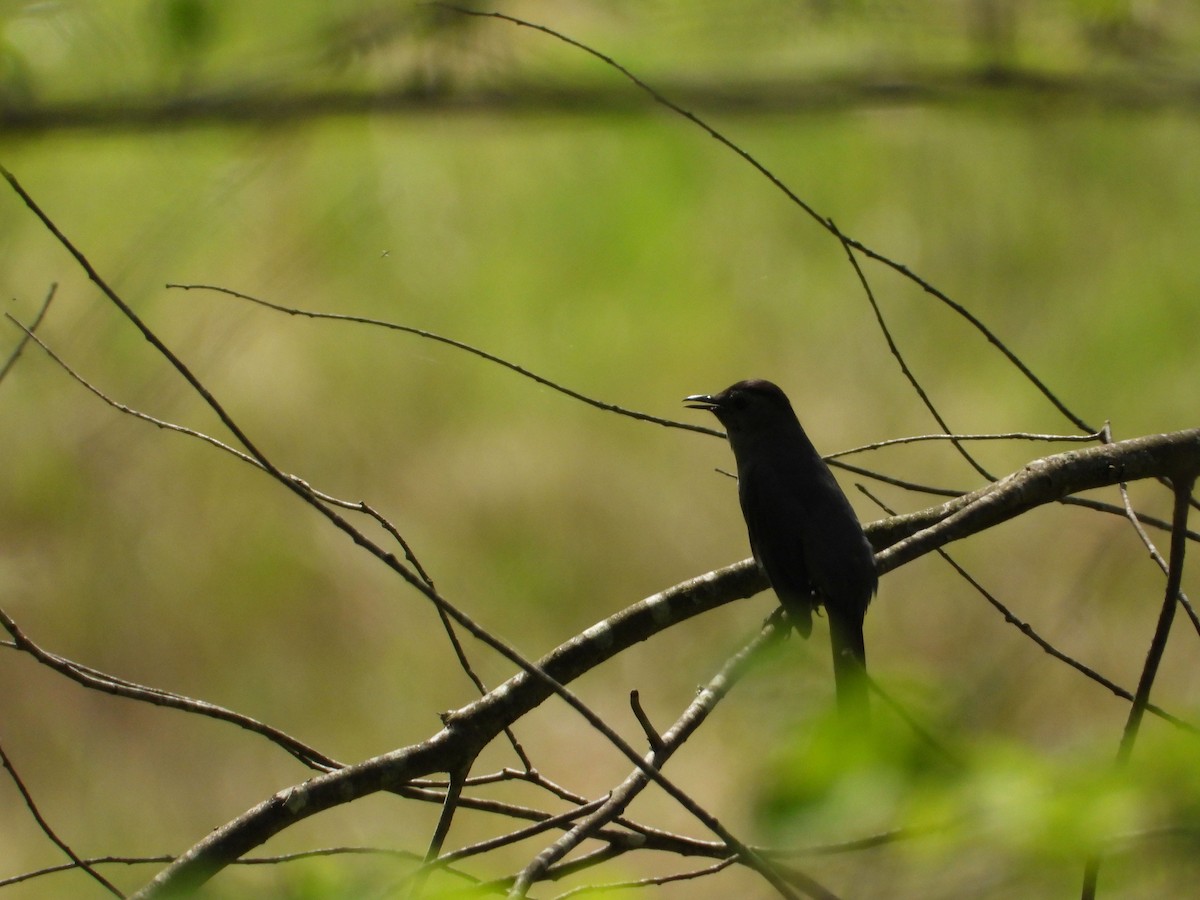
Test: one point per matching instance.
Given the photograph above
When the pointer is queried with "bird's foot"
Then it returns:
(781, 620)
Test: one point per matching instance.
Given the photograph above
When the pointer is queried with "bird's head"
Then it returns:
(747, 407)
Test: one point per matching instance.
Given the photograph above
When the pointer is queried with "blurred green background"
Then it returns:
(1039, 164)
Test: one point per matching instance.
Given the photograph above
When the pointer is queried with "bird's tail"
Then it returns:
(849, 665)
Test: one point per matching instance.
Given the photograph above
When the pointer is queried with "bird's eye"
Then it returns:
(740, 401)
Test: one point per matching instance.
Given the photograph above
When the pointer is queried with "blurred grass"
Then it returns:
(632, 259)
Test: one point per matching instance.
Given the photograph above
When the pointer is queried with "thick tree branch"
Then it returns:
(899, 540)
(1042, 481)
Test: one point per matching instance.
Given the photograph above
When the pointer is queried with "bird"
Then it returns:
(803, 531)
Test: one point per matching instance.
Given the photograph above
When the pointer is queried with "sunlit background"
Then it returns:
(1039, 163)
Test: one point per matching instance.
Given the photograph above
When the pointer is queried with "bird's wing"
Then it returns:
(770, 512)
(837, 555)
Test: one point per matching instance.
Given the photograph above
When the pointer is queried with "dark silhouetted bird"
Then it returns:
(803, 531)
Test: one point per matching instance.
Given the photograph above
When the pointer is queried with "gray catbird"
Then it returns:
(803, 531)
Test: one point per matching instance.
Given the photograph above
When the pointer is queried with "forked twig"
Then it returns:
(620, 797)
(215, 851)
(48, 831)
(905, 370)
(794, 198)
(1028, 630)
(8, 364)
(1182, 480)
(355, 505)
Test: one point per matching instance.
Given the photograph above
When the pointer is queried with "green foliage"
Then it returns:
(1042, 810)
(188, 26)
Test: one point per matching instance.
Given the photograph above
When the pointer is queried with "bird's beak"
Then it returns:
(701, 401)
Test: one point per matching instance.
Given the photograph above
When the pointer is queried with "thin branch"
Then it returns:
(793, 197)
(894, 481)
(507, 775)
(658, 881)
(1162, 631)
(244, 861)
(37, 320)
(609, 407)
(1135, 521)
(48, 831)
(1006, 436)
(634, 835)
(1113, 509)
(648, 729)
(450, 803)
(464, 663)
(1182, 480)
(1028, 630)
(685, 801)
(72, 866)
(907, 372)
(433, 791)
(691, 719)
(1042, 481)
(110, 684)
(539, 827)
(357, 506)
(459, 345)
(627, 835)
(354, 505)
(976, 323)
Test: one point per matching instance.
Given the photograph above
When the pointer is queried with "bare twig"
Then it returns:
(1158, 645)
(6, 367)
(1028, 630)
(1006, 436)
(450, 804)
(634, 835)
(48, 831)
(357, 506)
(459, 345)
(72, 866)
(592, 402)
(646, 882)
(976, 323)
(111, 684)
(1043, 481)
(1135, 521)
(542, 825)
(1182, 479)
(913, 486)
(899, 357)
(674, 738)
(213, 853)
(648, 729)
(244, 861)
(1114, 510)
(794, 198)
